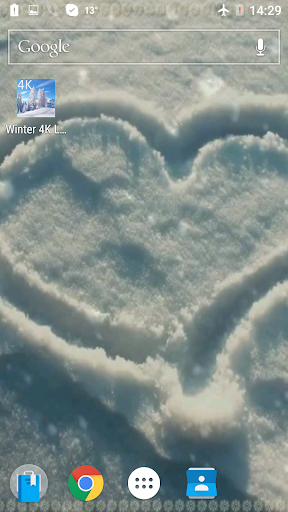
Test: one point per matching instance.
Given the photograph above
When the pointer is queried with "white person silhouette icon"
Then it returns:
(201, 487)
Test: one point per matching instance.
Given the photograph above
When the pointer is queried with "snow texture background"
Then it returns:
(144, 263)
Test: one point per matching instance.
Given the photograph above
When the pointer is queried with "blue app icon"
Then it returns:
(29, 487)
(28, 483)
(201, 483)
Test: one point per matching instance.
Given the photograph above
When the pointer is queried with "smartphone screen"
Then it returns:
(143, 256)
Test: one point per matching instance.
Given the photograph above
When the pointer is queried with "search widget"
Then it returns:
(36, 46)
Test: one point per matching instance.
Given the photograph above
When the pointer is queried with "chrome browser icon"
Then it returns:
(85, 483)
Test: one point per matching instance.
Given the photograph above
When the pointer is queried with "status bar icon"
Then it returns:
(33, 10)
(223, 10)
(239, 10)
(14, 10)
(72, 10)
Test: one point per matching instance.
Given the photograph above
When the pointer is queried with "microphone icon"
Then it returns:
(260, 48)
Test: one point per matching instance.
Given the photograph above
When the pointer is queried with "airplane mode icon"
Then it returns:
(223, 10)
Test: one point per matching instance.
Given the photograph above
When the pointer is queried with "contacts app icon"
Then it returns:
(201, 483)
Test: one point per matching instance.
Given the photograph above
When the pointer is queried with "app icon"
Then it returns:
(35, 97)
(144, 483)
(85, 483)
(71, 10)
(201, 483)
(28, 483)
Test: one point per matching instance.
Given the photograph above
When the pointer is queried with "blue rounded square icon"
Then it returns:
(201, 483)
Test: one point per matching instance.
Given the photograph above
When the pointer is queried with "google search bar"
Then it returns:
(135, 47)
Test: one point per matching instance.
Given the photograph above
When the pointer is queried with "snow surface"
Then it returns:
(143, 258)
(39, 112)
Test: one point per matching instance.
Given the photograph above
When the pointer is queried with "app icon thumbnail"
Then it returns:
(28, 483)
(201, 483)
(35, 97)
(85, 483)
(144, 483)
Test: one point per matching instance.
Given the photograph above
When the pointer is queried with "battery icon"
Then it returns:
(14, 10)
(239, 10)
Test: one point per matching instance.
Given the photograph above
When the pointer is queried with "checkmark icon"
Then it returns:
(72, 10)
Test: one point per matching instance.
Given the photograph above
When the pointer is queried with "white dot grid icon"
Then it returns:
(144, 483)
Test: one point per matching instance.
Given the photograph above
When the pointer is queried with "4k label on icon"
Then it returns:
(35, 97)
